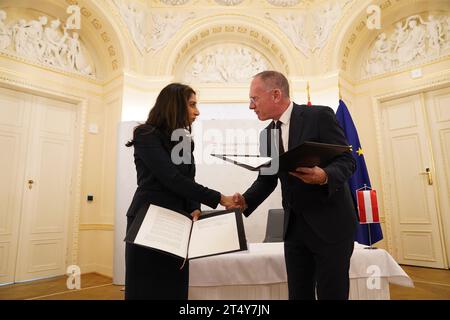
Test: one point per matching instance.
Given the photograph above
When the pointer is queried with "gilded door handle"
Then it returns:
(429, 176)
(30, 184)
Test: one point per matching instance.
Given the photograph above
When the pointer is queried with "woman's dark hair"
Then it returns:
(170, 110)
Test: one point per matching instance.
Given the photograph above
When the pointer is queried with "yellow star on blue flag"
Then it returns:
(359, 151)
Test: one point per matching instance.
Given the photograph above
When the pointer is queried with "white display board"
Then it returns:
(212, 135)
(125, 187)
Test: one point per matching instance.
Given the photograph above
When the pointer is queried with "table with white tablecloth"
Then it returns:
(260, 273)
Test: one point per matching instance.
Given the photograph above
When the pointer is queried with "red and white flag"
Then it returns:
(367, 206)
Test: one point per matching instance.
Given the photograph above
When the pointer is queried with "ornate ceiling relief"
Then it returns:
(325, 19)
(225, 64)
(162, 26)
(413, 41)
(267, 52)
(165, 26)
(50, 43)
(309, 31)
(293, 26)
(135, 18)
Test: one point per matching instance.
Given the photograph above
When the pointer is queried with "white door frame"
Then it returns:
(377, 100)
(81, 104)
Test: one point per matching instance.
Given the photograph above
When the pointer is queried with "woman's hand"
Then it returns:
(233, 202)
(195, 214)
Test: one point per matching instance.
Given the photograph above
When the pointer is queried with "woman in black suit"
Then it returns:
(164, 181)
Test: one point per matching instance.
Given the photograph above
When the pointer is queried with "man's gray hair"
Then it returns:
(274, 80)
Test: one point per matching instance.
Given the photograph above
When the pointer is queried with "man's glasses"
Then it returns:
(254, 100)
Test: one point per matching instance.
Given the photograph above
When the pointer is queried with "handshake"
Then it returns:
(233, 202)
(236, 201)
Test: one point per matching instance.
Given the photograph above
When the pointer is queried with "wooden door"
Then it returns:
(36, 167)
(414, 208)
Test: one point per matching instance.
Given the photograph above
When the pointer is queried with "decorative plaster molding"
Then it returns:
(165, 26)
(238, 31)
(135, 17)
(97, 24)
(310, 29)
(325, 18)
(293, 26)
(77, 206)
(162, 26)
(283, 3)
(414, 41)
(175, 2)
(45, 44)
(226, 64)
(228, 2)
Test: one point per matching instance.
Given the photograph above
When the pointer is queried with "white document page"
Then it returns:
(166, 230)
(214, 235)
(250, 161)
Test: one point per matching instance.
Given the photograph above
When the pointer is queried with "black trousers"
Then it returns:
(153, 275)
(315, 268)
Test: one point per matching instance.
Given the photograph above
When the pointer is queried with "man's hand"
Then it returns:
(239, 200)
(196, 214)
(313, 175)
(233, 202)
(227, 202)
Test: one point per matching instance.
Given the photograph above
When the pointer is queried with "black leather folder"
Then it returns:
(307, 154)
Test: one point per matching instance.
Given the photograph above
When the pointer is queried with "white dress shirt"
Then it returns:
(285, 123)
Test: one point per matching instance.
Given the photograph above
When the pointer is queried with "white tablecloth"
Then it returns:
(260, 273)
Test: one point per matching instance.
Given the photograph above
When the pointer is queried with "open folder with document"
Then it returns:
(307, 154)
(172, 232)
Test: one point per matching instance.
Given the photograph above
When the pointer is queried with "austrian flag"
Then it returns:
(367, 206)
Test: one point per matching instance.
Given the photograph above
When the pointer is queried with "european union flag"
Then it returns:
(360, 177)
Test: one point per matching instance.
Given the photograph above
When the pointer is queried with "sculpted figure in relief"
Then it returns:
(434, 33)
(134, 18)
(325, 19)
(20, 37)
(55, 46)
(165, 26)
(5, 32)
(47, 44)
(379, 60)
(225, 64)
(35, 43)
(293, 26)
(414, 44)
(412, 41)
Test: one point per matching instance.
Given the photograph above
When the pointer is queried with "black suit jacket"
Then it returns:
(328, 209)
(160, 181)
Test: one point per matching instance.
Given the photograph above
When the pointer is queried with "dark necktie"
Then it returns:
(280, 138)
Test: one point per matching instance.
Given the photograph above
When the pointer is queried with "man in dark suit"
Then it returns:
(320, 217)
